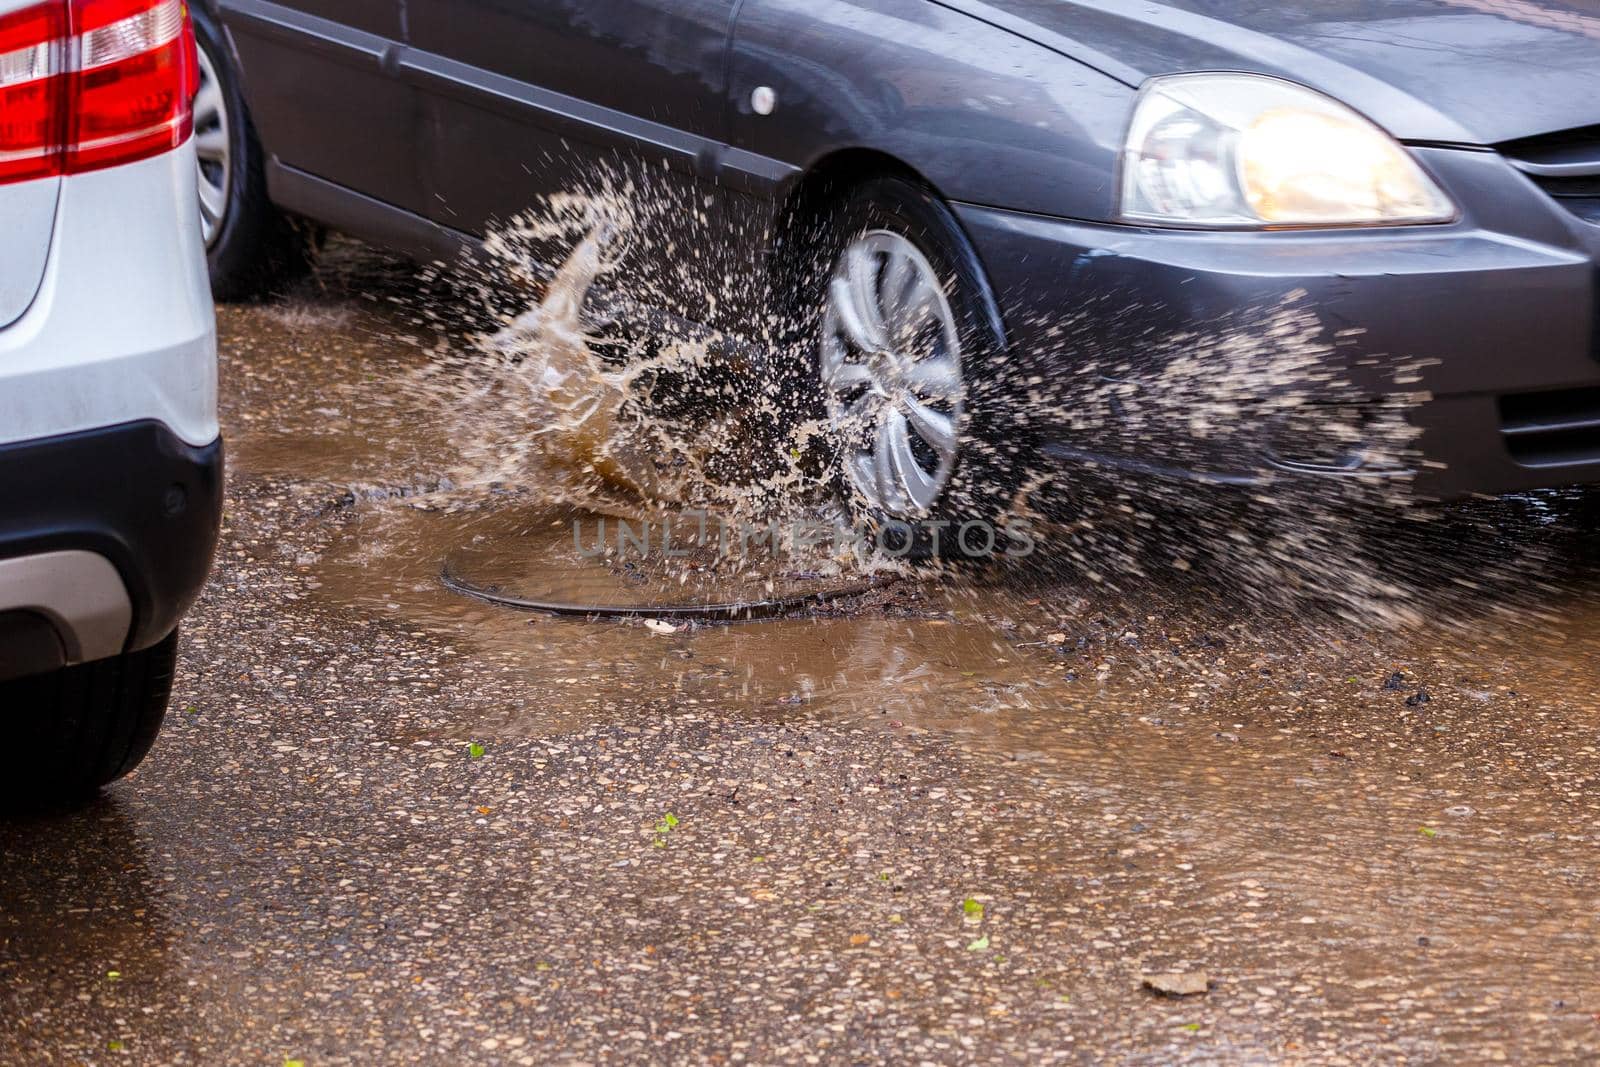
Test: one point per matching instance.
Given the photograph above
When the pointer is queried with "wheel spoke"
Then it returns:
(918, 305)
(934, 427)
(883, 469)
(864, 475)
(935, 379)
(211, 144)
(854, 420)
(899, 274)
(844, 376)
(919, 486)
(855, 328)
(207, 102)
(212, 201)
(861, 270)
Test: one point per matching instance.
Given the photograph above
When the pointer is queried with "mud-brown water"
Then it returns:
(1232, 759)
(325, 390)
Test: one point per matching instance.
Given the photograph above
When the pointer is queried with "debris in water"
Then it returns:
(1176, 983)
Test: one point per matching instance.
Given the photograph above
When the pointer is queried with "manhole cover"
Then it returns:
(558, 565)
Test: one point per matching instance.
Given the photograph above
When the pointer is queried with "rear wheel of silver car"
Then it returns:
(252, 249)
(66, 733)
(926, 430)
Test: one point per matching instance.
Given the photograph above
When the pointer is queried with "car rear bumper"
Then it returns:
(133, 496)
(110, 458)
(1496, 314)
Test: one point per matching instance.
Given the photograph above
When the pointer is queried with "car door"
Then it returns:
(524, 98)
(320, 80)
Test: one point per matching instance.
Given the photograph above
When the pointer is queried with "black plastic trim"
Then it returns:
(134, 493)
(384, 224)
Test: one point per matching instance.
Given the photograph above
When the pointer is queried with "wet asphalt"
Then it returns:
(939, 823)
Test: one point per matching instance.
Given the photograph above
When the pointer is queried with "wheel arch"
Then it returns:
(827, 182)
(840, 169)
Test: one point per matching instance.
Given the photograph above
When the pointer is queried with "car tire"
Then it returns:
(968, 516)
(67, 732)
(252, 249)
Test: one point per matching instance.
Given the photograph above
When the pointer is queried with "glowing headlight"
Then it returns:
(1246, 150)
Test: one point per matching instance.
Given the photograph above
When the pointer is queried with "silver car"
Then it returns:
(110, 456)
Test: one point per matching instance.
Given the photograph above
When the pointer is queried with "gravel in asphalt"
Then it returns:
(947, 824)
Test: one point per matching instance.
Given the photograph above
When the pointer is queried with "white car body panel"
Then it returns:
(122, 326)
(27, 215)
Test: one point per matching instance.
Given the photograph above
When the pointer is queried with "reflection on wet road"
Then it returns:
(1378, 845)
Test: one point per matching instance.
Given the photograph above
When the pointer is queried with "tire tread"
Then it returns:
(66, 733)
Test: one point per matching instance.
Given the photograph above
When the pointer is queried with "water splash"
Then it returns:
(563, 383)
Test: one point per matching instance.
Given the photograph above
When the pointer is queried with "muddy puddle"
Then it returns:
(1029, 656)
(1034, 668)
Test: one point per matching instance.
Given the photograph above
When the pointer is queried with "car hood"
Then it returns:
(1467, 71)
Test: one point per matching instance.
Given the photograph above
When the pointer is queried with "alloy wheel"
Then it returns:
(213, 149)
(890, 364)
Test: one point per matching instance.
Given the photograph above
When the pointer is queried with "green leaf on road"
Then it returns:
(113, 1045)
(475, 751)
(1193, 1028)
(1427, 831)
(112, 976)
(972, 909)
(979, 945)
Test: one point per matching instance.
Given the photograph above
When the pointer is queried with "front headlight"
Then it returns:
(1246, 150)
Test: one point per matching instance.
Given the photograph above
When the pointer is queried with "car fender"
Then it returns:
(983, 114)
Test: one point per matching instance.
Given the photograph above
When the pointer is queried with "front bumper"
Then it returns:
(134, 495)
(1496, 312)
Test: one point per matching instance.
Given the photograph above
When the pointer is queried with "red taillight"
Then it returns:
(32, 58)
(133, 80)
(86, 84)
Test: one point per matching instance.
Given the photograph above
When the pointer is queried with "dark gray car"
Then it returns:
(1423, 175)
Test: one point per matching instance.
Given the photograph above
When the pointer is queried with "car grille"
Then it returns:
(1566, 165)
(1552, 429)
